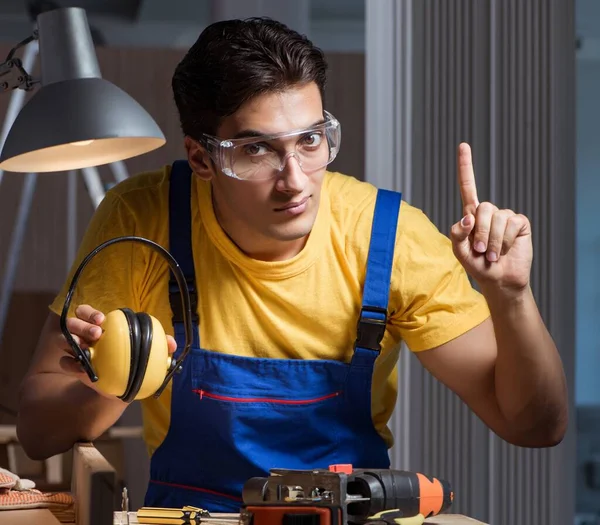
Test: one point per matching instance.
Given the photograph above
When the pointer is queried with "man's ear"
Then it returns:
(199, 159)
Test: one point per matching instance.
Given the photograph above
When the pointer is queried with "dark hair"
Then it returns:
(235, 60)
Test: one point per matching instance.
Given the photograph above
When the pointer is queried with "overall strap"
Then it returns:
(180, 245)
(373, 315)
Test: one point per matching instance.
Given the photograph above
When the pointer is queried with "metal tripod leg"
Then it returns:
(119, 171)
(93, 184)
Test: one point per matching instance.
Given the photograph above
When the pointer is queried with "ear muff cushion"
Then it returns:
(134, 338)
(145, 345)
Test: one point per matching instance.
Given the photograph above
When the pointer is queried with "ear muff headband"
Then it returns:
(135, 380)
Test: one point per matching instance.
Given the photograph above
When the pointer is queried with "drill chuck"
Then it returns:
(410, 493)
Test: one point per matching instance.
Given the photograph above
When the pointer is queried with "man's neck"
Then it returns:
(270, 250)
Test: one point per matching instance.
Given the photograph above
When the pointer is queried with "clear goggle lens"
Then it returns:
(259, 158)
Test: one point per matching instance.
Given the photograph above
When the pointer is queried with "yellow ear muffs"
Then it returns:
(131, 359)
(136, 374)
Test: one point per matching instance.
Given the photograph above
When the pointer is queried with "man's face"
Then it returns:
(260, 215)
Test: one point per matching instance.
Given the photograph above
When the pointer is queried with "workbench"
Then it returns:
(45, 517)
(94, 488)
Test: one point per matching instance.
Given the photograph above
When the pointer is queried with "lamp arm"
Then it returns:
(12, 73)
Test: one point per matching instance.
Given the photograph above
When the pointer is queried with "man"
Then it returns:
(278, 376)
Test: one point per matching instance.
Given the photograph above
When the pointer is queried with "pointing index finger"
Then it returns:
(466, 179)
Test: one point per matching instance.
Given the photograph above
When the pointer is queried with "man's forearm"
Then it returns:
(56, 411)
(529, 378)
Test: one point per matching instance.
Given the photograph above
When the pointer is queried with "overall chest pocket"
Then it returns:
(270, 412)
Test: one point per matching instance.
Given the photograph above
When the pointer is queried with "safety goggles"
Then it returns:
(264, 157)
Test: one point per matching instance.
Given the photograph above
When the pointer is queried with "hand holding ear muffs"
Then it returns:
(131, 359)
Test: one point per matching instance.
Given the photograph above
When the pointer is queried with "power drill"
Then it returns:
(342, 495)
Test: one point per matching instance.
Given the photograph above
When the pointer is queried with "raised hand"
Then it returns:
(494, 246)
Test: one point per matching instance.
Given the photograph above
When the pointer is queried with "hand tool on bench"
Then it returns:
(185, 515)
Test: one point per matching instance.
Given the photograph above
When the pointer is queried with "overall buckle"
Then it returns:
(176, 303)
(370, 331)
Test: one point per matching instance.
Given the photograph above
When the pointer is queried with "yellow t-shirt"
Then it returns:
(305, 307)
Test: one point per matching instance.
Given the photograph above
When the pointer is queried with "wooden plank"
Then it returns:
(28, 517)
(94, 486)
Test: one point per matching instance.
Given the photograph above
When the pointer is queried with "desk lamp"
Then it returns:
(76, 119)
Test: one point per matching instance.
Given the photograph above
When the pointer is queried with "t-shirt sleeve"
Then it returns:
(431, 297)
(107, 282)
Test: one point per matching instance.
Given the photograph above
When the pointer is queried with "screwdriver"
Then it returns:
(184, 515)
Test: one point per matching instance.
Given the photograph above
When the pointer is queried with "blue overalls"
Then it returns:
(234, 417)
